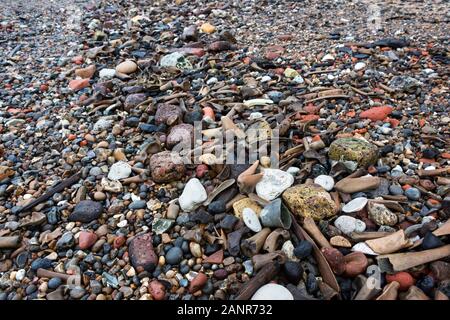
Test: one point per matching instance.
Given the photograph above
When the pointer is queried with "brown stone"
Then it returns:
(198, 282)
(157, 290)
(215, 258)
(141, 253)
(86, 239)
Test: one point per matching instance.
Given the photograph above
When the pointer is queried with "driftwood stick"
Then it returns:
(310, 226)
(58, 188)
(43, 273)
(267, 273)
(9, 242)
(402, 261)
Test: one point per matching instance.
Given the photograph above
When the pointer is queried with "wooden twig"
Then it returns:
(58, 188)
(267, 273)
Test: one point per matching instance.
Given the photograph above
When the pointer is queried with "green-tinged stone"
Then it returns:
(309, 201)
(110, 280)
(159, 226)
(352, 149)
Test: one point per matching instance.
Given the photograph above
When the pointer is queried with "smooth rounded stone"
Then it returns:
(396, 190)
(303, 250)
(138, 204)
(127, 67)
(99, 196)
(167, 114)
(41, 263)
(349, 224)
(412, 194)
(66, 241)
(194, 194)
(310, 201)
(382, 215)
(172, 211)
(273, 183)
(293, 170)
(119, 170)
(251, 220)
(77, 292)
(54, 283)
(141, 253)
(355, 205)
(272, 291)
(359, 66)
(20, 275)
(325, 182)
(181, 133)
(86, 211)
(217, 206)
(353, 149)
(430, 241)
(86, 239)
(166, 166)
(195, 249)
(174, 256)
(293, 271)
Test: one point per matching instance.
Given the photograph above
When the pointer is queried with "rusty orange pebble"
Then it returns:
(208, 112)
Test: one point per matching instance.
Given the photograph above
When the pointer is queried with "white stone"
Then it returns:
(355, 205)
(251, 220)
(255, 115)
(273, 183)
(325, 182)
(349, 224)
(288, 250)
(266, 79)
(328, 57)
(293, 170)
(171, 60)
(119, 170)
(364, 248)
(272, 291)
(430, 168)
(298, 79)
(102, 124)
(360, 66)
(194, 194)
(211, 81)
(20, 275)
(107, 73)
(122, 224)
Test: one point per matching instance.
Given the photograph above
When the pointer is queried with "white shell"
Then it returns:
(273, 183)
(119, 170)
(194, 194)
(325, 182)
(355, 205)
(251, 220)
(364, 248)
(272, 291)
